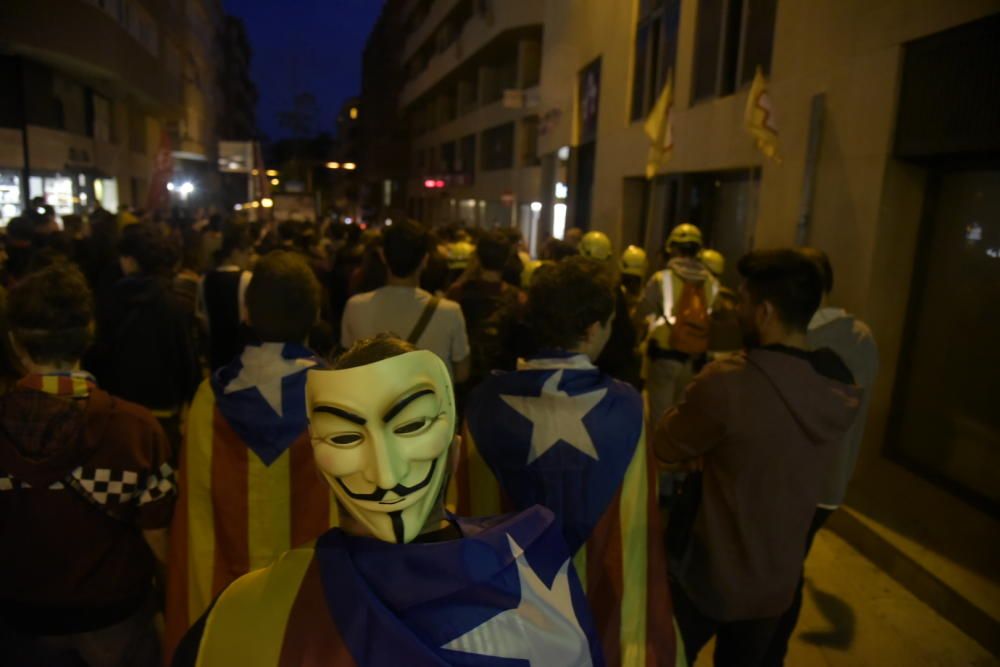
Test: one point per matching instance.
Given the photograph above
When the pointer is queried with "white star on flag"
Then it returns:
(543, 629)
(555, 416)
(264, 368)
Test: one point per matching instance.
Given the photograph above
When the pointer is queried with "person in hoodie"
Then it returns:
(86, 493)
(249, 490)
(763, 427)
(144, 351)
(852, 340)
(676, 305)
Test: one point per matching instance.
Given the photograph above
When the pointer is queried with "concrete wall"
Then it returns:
(867, 205)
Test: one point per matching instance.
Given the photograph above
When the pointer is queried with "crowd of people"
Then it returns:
(237, 442)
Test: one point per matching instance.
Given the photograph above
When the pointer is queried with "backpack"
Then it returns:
(689, 332)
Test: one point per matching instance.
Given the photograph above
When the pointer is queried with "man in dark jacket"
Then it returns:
(86, 493)
(763, 427)
(144, 351)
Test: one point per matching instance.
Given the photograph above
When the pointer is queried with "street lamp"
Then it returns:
(271, 172)
(333, 165)
(275, 181)
(267, 202)
(350, 166)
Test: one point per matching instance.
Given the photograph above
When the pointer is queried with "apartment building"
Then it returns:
(90, 88)
(890, 161)
(472, 70)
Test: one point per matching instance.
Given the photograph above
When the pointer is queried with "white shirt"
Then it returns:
(396, 310)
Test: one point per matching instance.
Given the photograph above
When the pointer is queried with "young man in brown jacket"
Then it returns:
(763, 428)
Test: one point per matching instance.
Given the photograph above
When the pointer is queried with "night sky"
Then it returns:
(310, 46)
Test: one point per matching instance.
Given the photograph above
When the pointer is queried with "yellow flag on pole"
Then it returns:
(759, 117)
(659, 128)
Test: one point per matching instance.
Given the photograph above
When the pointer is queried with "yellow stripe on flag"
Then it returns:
(484, 490)
(247, 625)
(269, 500)
(50, 384)
(635, 531)
(201, 526)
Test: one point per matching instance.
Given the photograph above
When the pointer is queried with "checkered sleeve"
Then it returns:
(157, 485)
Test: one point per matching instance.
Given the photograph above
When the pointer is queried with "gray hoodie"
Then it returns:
(853, 342)
(767, 425)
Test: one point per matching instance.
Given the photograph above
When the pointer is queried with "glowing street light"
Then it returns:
(333, 165)
(275, 181)
(350, 166)
(267, 202)
(271, 172)
(354, 113)
(170, 186)
(255, 204)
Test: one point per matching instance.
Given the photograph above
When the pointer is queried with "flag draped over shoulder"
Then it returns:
(659, 127)
(559, 433)
(759, 117)
(249, 490)
(502, 593)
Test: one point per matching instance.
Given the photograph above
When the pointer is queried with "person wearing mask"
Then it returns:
(763, 429)
(221, 305)
(400, 582)
(86, 494)
(851, 340)
(143, 351)
(561, 433)
(677, 304)
(402, 308)
(249, 491)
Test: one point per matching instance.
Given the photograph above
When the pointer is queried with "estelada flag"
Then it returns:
(759, 117)
(249, 489)
(496, 591)
(659, 127)
(559, 433)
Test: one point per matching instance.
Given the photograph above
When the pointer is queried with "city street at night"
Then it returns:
(499, 333)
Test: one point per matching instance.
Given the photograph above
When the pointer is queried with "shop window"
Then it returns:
(732, 38)
(655, 52)
(945, 419)
(498, 147)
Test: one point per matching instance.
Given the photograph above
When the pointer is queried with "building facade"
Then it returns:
(890, 162)
(92, 85)
(470, 99)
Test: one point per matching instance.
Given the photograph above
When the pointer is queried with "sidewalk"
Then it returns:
(854, 614)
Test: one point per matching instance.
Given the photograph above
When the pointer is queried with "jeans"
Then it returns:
(786, 624)
(737, 643)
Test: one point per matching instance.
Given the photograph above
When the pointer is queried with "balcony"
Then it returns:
(477, 34)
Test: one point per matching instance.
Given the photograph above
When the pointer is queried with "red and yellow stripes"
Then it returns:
(235, 514)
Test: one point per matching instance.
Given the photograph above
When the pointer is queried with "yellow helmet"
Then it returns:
(684, 233)
(528, 272)
(459, 254)
(713, 261)
(596, 245)
(634, 262)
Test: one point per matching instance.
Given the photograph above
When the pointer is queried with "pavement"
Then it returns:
(855, 614)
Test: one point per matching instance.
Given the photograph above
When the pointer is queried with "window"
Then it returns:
(655, 52)
(945, 421)
(529, 142)
(498, 147)
(466, 164)
(101, 124)
(448, 157)
(732, 39)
